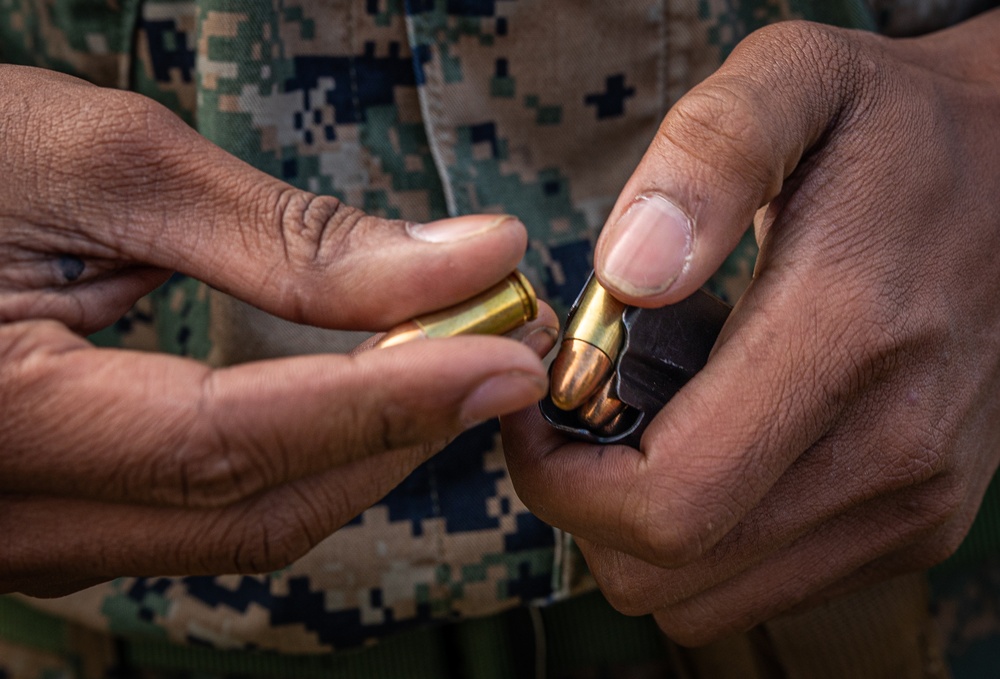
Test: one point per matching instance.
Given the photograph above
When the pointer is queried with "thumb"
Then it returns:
(144, 189)
(313, 259)
(723, 151)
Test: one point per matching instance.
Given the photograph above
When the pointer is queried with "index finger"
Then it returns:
(120, 425)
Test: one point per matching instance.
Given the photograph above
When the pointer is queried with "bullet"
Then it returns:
(507, 305)
(602, 413)
(589, 348)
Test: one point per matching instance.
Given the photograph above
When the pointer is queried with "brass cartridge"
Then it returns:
(507, 305)
(589, 348)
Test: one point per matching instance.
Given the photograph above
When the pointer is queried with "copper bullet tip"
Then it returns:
(602, 412)
(578, 371)
(401, 334)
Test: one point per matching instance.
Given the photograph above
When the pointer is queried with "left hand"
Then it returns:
(124, 463)
(848, 422)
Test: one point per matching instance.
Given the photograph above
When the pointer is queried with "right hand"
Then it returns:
(116, 462)
(847, 424)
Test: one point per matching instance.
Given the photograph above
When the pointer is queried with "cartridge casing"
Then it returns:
(507, 305)
(597, 319)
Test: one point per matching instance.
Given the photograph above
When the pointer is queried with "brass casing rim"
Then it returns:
(529, 300)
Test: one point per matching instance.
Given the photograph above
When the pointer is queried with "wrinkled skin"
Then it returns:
(124, 463)
(848, 421)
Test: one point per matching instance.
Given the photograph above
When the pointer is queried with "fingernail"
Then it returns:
(502, 394)
(648, 248)
(541, 340)
(456, 228)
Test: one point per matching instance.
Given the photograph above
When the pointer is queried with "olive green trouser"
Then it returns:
(881, 632)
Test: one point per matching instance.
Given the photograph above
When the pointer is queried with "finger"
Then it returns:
(86, 307)
(134, 183)
(722, 151)
(124, 425)
(57, 545)
(931, 550)
(552, 475)
(541, 333)
(785, 580)
(772, 528)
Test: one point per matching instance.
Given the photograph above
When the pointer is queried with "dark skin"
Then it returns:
(125, 463)
(848, 422)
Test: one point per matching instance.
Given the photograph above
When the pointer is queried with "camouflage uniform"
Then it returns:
(417, 109)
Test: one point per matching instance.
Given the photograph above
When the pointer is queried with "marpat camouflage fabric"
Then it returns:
(418, 110)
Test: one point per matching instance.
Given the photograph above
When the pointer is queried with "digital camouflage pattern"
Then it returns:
(414, 109)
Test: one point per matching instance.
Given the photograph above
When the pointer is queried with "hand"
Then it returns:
(126, 463)
(848, 421)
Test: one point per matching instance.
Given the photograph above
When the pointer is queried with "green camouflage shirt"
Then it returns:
(417, 109)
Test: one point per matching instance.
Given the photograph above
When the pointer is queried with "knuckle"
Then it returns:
(918, 453)
(129, 135)
(318, 235)
(396, 427)
(137, 118)
(266, 547)
(839, 63)
(211, 476)
(691, 631)
(933, 506)
(674, 546)
(121, 141)
(667, 537)
(788, 35)
(620, 579)
(678, 524)
(718, 126)
(927, 525)
(316, 231)
(28, 377)
(213, 465)
(26, 342)
(371, 431)
(931, 554)
(922, 456)
(625, 594)
(941, 546)
(811, 48)
(374, 422)
(626, 599)
(704, 619)
(728, 124)
(272, 539)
